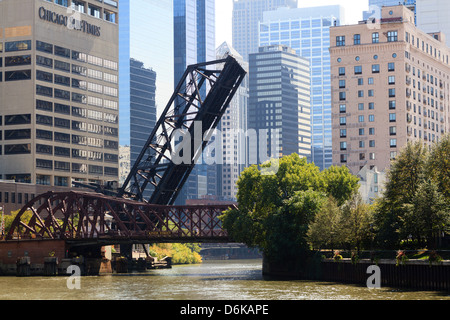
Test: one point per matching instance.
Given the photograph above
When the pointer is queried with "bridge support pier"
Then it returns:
(24, 267)
(50, 266)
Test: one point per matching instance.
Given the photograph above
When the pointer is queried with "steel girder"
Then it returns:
(187, 110)
(95, 218)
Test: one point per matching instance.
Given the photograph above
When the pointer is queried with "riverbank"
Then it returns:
(413, 274)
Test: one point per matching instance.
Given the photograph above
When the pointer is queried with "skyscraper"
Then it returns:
(390, 86)
(433, 16)
(232, 129)
(194, 42)
(279, 103)
(58, 92)
(307, 31)
(246, 17)
(146, 68)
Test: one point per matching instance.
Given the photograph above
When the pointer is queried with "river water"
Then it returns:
(211, 280)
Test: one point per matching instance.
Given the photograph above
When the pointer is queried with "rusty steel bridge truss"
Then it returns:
(95, 218)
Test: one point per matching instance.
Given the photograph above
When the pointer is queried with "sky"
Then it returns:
(224, 8)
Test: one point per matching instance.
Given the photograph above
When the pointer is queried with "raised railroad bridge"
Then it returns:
(83, 218)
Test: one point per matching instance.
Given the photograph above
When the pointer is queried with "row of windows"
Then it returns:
(359, 69)
(79, 140)
(75, 55)
(70, 96)
(90, 9)
(391, 36)
(76, 153)
(76, 167)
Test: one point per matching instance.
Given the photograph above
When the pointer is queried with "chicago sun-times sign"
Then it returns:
(71, 22)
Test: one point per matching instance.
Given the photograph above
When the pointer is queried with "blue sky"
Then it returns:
(224, 8)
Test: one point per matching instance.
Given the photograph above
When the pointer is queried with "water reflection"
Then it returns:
(212, 280)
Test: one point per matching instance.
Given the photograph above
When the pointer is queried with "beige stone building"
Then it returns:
(58, 92)
(390, 85)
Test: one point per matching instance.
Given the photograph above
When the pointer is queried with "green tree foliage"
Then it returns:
(403, 179)
(428, 215)
(340, 183)
(416, 200)
(325, 231)
(356, 220)
(439, 165)
(275, 211)
(180, 253)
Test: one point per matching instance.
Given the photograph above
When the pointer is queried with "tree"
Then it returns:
(340, 183)
(439, 165)
(356, 219)
(325, 231)
(407, 172)
(274, 211)
(428, 215)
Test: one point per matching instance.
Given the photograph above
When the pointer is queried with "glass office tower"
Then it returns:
(146, 68)
(194, 42)
(307, 31)
(246, 16)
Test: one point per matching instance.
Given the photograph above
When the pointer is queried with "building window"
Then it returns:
(371, 118)
(392, 117)
(340, 41)
(392, 36)
(18, 75)
(343, 121)
(343, 133)
(342, 108)
(361, 131)
(375, 68)
(375, 37)
(391, 66)
(17, 61)
(44, 76)
(392, 93)
(343, 158)
(44, 47)
(62, 52)
(342, 84)
(391, 79)
(393, 143)
(392, 105)
(392, 131)
(358, 69)
(356, 39)
(360, 118)
(360, 81)
(342, 71)
(343, 145)
(371, 105)
(342, 96)
(62, 2)
(371, 131)
(372, 143)
(18, 46)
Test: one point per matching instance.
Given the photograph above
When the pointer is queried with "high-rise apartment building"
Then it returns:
(59, 91)
(146, 68)
(194, 42)
(279, 103)
(390, 85)
(233, 128)
(433, 16)
(307, 31)
(246, 17)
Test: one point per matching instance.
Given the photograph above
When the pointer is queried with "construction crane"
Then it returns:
(193, 112)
